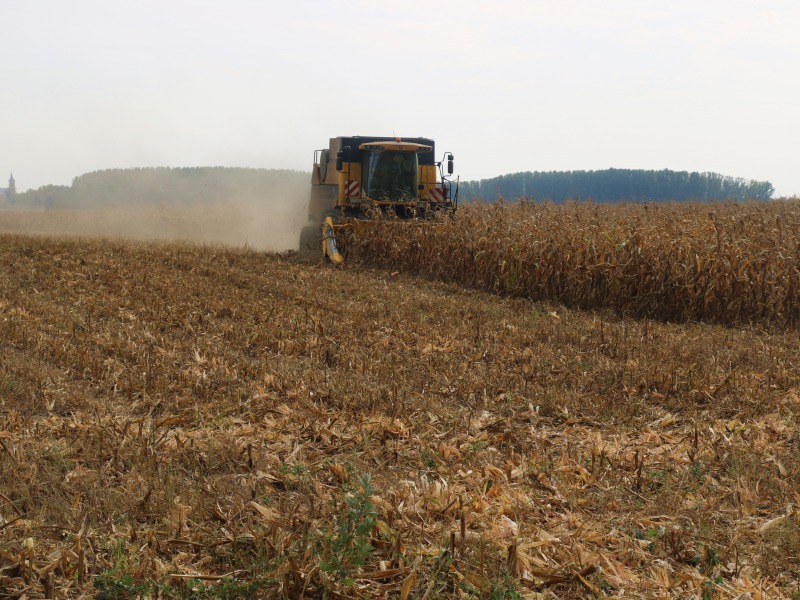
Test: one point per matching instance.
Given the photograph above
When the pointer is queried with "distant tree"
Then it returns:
(47, 196)
(618, 185)
(159, 185)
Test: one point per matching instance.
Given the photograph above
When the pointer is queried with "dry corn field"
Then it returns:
(186, 421)
(723, 263)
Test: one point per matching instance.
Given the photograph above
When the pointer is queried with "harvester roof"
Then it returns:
(395, 145)
(355, 142)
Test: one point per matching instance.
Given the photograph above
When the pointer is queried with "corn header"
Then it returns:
(360, 178)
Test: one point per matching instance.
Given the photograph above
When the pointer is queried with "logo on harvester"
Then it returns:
(436, 195)
(352, 186)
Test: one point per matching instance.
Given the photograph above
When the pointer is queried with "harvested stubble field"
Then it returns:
(188, 421)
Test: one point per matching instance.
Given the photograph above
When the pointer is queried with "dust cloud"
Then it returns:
(267, 218)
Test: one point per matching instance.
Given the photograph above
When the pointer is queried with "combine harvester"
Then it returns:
(362, 178)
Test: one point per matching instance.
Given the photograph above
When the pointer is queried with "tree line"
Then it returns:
(159, 185)
(192, 185)
(617, 185)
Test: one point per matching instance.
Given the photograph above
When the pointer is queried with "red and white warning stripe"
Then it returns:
(436, 195)
(352, 186)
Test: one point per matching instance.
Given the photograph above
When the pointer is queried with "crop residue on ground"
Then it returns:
(176, 416)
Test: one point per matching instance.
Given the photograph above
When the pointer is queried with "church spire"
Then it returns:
(12, 187)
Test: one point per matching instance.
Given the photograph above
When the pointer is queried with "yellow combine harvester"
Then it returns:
(358, 178)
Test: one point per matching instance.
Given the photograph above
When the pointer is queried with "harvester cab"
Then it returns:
(359, 178)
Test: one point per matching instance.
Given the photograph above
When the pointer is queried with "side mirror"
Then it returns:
(449, 164)
(341, 156)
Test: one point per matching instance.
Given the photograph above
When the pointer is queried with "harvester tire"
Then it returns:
(335, 214)
(311, 241)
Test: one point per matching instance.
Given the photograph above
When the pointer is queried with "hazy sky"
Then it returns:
(506, 86)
